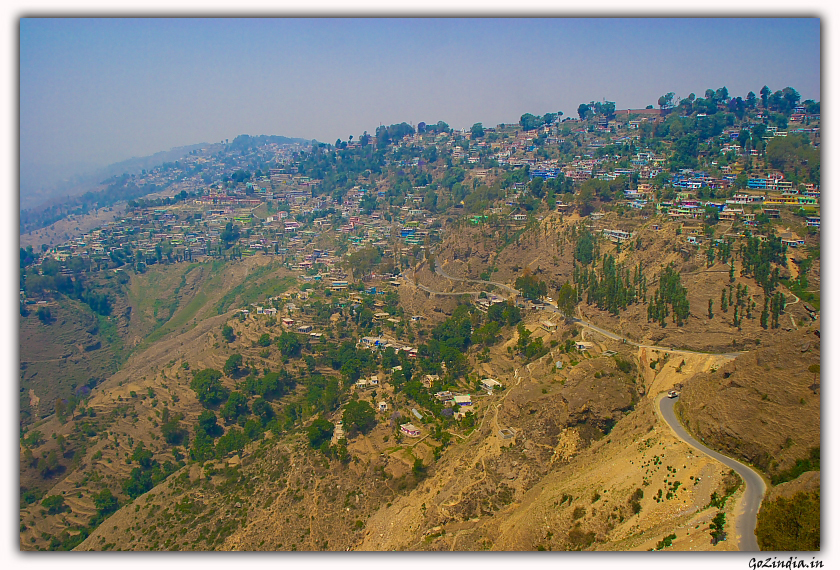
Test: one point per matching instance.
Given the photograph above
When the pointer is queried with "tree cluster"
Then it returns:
(531, 287)
(760, 259)
(529, 122)
(790, 524)
(670, 298)
(612, 288)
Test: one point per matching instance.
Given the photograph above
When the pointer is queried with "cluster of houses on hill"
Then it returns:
(195, 230)
(456, 405)
(280, 211)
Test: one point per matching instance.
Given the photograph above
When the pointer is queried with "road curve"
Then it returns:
(751, 501)
(550, 307)
(439, 270)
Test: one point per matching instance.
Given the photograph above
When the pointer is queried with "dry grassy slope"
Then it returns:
(118, 430)
(280, 496)
(70, 350)
(760, 408)
(53, 356)
(317, 489)
(701, 333)
(522, 494)
(69, 228)
(805, 483)
(433, 307)
(547, 249)
(485, 492)
(281, 486)
(315, 507)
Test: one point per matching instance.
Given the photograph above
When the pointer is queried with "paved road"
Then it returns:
(751, 501)
(553, 308)
(588, 325)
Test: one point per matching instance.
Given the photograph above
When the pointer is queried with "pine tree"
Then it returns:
(765, 313)
(777, 307)
(670, 292)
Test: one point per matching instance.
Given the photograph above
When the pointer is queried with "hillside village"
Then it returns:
(383, 297)
(283, 212)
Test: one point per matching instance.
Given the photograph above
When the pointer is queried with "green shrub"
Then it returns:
(54, 504)
(811, 463)
(790, 524)
(666, 542)
(579, 539)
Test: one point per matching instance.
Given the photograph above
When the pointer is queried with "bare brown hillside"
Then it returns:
(126, 407)
(58, 356)
(558, 483)
(763, 407)
(570, 453)
(545, 249)
(548, 488)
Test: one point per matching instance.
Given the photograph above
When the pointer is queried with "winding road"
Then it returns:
(552, 308)
(747, 512)
(439, 271)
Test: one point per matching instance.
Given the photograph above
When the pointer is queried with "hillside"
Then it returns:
(582, 437)
(570, 427)
(309, 503)
(183, 298)
(71, 350)
(559, 419)
(545, 250)
(41, 189)
(762, 408)
(58, 357)
(434, 340)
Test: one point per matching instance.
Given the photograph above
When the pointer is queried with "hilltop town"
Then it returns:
(283, 208)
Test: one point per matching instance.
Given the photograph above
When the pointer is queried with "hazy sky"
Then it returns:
(103, 90)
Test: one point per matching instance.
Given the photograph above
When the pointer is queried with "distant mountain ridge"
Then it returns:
(135, 165)
(79, 193)
(247, 141)
(33, 197)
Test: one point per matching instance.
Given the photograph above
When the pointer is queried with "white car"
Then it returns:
(673, 394)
